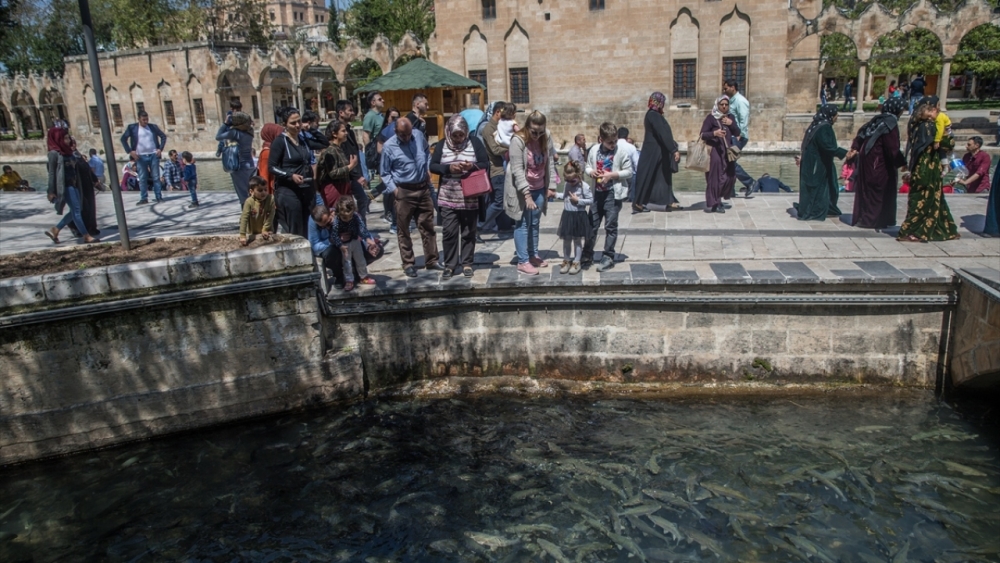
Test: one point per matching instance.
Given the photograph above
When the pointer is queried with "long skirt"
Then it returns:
(927, 214)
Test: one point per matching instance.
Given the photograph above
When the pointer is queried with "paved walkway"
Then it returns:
(759, 238)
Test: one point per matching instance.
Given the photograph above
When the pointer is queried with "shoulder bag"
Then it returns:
(476, 183)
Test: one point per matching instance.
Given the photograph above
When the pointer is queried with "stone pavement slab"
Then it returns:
(758, 241)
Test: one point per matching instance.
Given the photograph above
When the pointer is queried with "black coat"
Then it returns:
(654, 174)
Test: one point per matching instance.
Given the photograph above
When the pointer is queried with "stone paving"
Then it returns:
(757, 241)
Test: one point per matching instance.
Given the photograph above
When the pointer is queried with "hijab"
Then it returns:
(824, 116)
(881, 124)
(269, 133)
(920, 132)
(657, 100)
(716, 112)
(57, 141)
(456, 123)
(242, 122)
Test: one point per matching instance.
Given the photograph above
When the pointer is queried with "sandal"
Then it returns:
(367, 281)
(348, 286)
(53, 234)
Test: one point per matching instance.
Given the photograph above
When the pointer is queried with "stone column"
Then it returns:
(943, 81)
(861, 88)
(298, 96)
(343, 92)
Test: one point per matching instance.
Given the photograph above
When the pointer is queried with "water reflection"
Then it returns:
(899, 478)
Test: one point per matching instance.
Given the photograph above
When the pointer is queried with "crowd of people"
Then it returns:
(496, 175)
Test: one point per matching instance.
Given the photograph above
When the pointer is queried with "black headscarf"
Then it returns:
(920, 134)
(881, 124)
(824, 116)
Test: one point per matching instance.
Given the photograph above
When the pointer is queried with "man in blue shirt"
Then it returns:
(404, 169)
(97, 167)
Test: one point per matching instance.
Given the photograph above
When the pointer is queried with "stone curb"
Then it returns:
(137, 276)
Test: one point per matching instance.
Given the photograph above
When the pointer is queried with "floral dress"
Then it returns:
(927, 214)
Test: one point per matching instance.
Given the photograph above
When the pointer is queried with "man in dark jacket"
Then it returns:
(144, 142)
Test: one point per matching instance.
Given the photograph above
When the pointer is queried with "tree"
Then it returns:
(392, 18)
(333, 27)
(838, 55)
(979, 52)
(913, 52)
(240, 20)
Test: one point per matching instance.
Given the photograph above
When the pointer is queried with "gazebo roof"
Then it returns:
(419, 74)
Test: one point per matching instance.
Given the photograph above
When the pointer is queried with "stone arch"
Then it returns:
(734, 49)
(902, 60)
(196, 101)
(409, 46)
(360, 71)
(52, 106)
(168, 108)
(476, 54)
(235, 84)
(277, 90)
(6, 123)
(90, 100)
(138, 99)
(684, 42)
(25, 112)
(406, 58)
(320, 88)
(115, 114)
(517, 54)
(967, 55)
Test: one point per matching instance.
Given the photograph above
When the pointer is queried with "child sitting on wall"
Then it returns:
(258, 212)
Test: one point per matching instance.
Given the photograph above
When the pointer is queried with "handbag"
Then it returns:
(475, 184)
(698, 157)
(733, 153)
(231, 156)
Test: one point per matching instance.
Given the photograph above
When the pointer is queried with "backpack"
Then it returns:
(231, 156)
(371, 155)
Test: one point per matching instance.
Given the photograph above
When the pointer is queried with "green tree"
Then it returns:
(979, 52)
(360, 73)
(838, 56)
(913, 52)
(392, 18)
(333, 27)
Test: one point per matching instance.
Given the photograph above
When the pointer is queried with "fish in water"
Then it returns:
(666, 525)
(963, 469)
(491, 541)
(823, 479)
(627, 544)
(652, 466)
(553, 550)
(704, 541)
(725, 491)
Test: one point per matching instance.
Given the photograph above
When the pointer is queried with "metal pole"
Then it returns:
(102, 113)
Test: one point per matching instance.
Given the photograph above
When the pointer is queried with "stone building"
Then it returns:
(288, 14)
(582, 62)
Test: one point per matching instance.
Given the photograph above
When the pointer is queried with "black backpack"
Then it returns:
(371, 155)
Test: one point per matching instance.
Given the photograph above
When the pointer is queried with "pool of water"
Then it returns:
(901, 477)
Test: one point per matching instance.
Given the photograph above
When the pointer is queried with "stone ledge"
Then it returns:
(32, 292)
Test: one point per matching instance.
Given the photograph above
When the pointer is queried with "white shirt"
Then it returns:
(633, 153)
(147, 141)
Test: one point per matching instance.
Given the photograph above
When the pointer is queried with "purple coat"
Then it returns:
(721, 176)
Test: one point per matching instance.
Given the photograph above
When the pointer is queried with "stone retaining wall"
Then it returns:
(976, 358)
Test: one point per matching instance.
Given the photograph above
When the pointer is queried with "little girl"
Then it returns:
(575, 223)
(506, 127)
(348, 232)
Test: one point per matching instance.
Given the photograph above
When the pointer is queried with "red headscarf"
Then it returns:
(57, 141)
(269, 133)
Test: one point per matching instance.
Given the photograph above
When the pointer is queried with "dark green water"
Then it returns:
(818, 478)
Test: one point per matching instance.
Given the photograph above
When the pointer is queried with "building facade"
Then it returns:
(285, 15)
(582, 62)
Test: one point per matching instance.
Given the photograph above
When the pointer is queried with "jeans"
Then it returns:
(526, 229)
(148, 167)
(494, 210)
(848, 104)
(193, 188)
(605, 207)
(74, 213)
(361, 198)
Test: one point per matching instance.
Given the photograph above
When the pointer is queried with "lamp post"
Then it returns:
(102, 113)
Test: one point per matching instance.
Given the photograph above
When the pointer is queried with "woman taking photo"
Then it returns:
(654, 174)
(239, 129)
(530, 182)
(454, 158)
(294, 188)
(818, 187)
(927, 214)
(876, 148)
(719, 127)
(333, 168)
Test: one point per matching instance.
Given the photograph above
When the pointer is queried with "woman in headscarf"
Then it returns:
(818, 187)
(268, 133)
(657, 161)
(927, 214)
(454, 158)
(239, 129)
(719, 127)
(333, 168)
(876, 148)
(992, 227)
(64, 184)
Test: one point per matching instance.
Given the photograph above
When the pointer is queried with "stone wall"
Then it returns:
(975, 358)
(622, 343)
